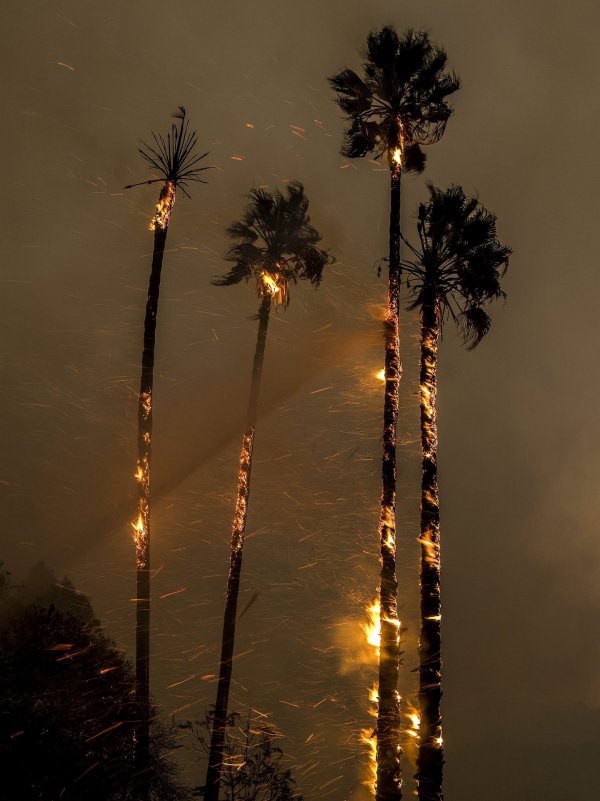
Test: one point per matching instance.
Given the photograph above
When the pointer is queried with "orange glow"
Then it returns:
(380, 374)
(415, 721)
(272, 287)
(140, 536)
(372, 628)
(164, 207)
(368, 737)
(241, 507)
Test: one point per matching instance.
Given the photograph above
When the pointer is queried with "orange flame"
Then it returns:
(164, 207)
(415, 721)
(372, 628)
(368, 737)
(270, 284)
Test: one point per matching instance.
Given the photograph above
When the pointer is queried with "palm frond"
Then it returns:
(402, 95)
(275, 236)
(174, 156)
(459, 260)
(474, 325)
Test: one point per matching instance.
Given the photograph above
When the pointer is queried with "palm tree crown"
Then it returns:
(173, 156)
(400, 104)
(276, 244)
(459, 261)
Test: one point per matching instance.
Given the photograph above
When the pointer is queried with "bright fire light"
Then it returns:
(415, 721)
(380, 374)
(164, 207)
(270, 283)
(368, 737)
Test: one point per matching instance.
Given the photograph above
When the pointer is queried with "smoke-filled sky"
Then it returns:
(518, 417)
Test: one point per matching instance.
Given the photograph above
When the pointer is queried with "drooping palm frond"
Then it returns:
(173, 156)
(401, 101)
(275, 236)
(458, 262)
(475, 322)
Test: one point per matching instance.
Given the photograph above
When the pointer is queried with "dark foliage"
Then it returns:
(173, 156)
(401, 100)
(459, 260)
(67, 714)
(275, 236)
(252, 769)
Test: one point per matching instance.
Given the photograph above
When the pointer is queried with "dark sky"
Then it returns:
(518, 418)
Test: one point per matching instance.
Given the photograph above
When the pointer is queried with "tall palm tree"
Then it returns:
(399, 105)
(454, 271)
(174, 159)
(275, 245)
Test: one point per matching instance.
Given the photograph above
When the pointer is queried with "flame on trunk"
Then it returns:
(142, 474)
(164, 207)
(368, 737)
(241, 506)
(430, 539)
(430, 735)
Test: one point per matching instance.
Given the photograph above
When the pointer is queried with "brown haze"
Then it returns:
(518, 417)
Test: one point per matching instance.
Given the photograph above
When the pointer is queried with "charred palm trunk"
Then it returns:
(389, 781)
(217, 740)
(141, 527)
(431, 755)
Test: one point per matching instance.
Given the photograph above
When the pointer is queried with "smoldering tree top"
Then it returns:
(173, 156)
(459, 261)
(275, 239)
(401, 100)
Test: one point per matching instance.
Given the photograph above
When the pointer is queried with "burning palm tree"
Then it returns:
(454, 271)
(397, 107)
(275, 245)
(174, 159)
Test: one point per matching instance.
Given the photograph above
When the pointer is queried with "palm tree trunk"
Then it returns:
(217, 740)
(430, 760)
(389, 781)
(142, 525)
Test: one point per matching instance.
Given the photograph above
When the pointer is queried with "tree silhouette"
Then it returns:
(174, 159)
(275, 245)
(454, 271)
(399, 105)
(252, 769)
(68, 713)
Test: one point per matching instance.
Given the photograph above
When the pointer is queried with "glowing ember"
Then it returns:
(164, 207)
(397, 156)
(380, 374)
